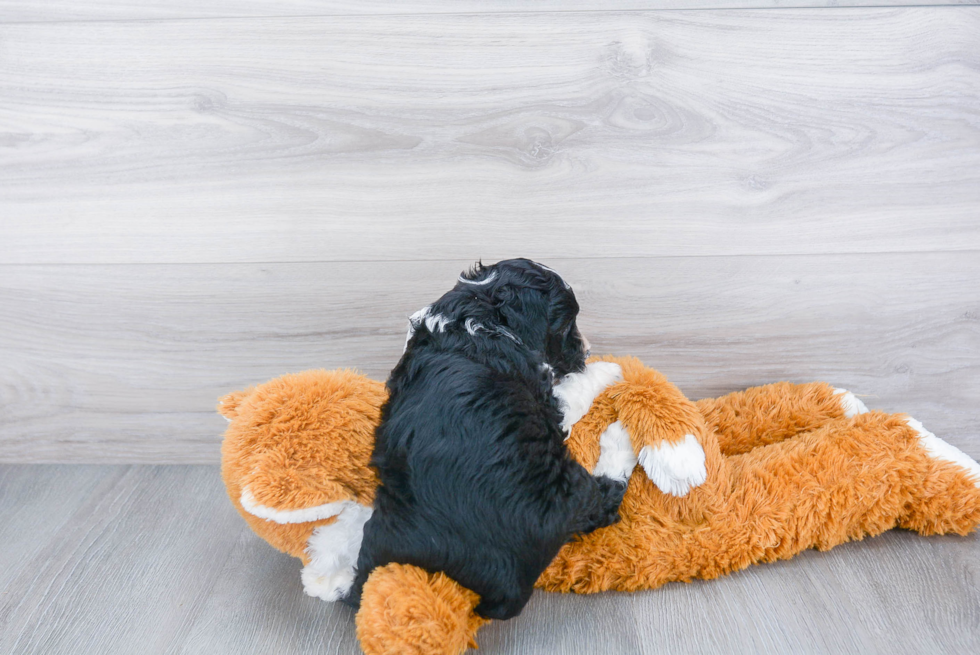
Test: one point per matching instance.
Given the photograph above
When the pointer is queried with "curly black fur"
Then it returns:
(476, 481)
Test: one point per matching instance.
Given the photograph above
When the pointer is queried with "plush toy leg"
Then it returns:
(949, 495)
(774, 412)
(665, 429)
(408, 611)
(849, 479)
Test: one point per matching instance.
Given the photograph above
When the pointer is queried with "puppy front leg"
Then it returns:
(599, 504)
(612, 473)
(504, 601)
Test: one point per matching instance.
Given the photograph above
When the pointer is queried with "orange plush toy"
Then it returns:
(754, 476)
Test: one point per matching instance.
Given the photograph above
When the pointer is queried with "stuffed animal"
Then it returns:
(754, 476)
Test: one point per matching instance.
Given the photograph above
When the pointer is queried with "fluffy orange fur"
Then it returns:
(299, 441)
(413, 611)
(786, 469)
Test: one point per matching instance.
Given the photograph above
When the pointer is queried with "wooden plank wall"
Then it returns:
(738, 196)
(61, 10)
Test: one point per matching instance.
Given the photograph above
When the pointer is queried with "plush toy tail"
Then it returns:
(408, 611)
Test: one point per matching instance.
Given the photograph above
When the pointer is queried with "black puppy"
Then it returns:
(476, 481)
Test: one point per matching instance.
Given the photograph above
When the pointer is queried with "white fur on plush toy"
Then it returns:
(939, 449)
(675, 468)
(285, 516)
(852, 404)
(333, 552)
(576, 391)
(616, 457)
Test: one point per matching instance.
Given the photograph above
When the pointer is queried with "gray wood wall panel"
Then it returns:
(141, 559)
(68, 10)
(427, 137)
(125, 363)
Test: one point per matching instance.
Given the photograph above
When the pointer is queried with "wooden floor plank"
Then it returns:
(260, 588)
(128, 571)
(125, 363)
(881, 595)
(425, 137)
(861, 597)
(155, 560)
(36, 504)
(66, 10)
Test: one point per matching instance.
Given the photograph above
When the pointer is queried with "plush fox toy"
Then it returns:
(750, 477)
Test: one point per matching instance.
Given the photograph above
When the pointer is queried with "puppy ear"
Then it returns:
(523, 310)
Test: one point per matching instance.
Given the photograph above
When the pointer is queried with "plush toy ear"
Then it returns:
(228, 405)
(408, 611)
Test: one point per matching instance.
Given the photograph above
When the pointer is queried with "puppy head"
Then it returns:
(537, 305)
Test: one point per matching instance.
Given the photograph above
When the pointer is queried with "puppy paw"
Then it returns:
(576, 391)
(333, 550)
(616, 456)
(675, 468)
(851, 404)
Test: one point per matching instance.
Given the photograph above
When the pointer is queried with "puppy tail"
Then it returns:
(409, 611)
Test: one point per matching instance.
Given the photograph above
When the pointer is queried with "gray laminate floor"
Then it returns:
(153, 559)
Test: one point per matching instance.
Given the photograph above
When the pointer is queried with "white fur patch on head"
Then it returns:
(852, 404)
(414, 321)
(939, 449)
(333, 553)
(285, 516)
(616, 456)
(507, 333)
(576, 391)
(434, 322)
(675, 468)
(479, 283)
(437, 322)
(472, 327)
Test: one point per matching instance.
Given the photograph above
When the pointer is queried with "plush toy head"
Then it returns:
(296, 453)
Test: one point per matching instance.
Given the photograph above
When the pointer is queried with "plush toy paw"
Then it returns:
(616, 457)
(576, 391)
(333, 550)
(852, 404)
(408, 611)
(330, 586)
(939, 449)
(675, 468)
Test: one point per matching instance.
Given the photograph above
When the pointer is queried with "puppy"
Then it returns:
(475, 479)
